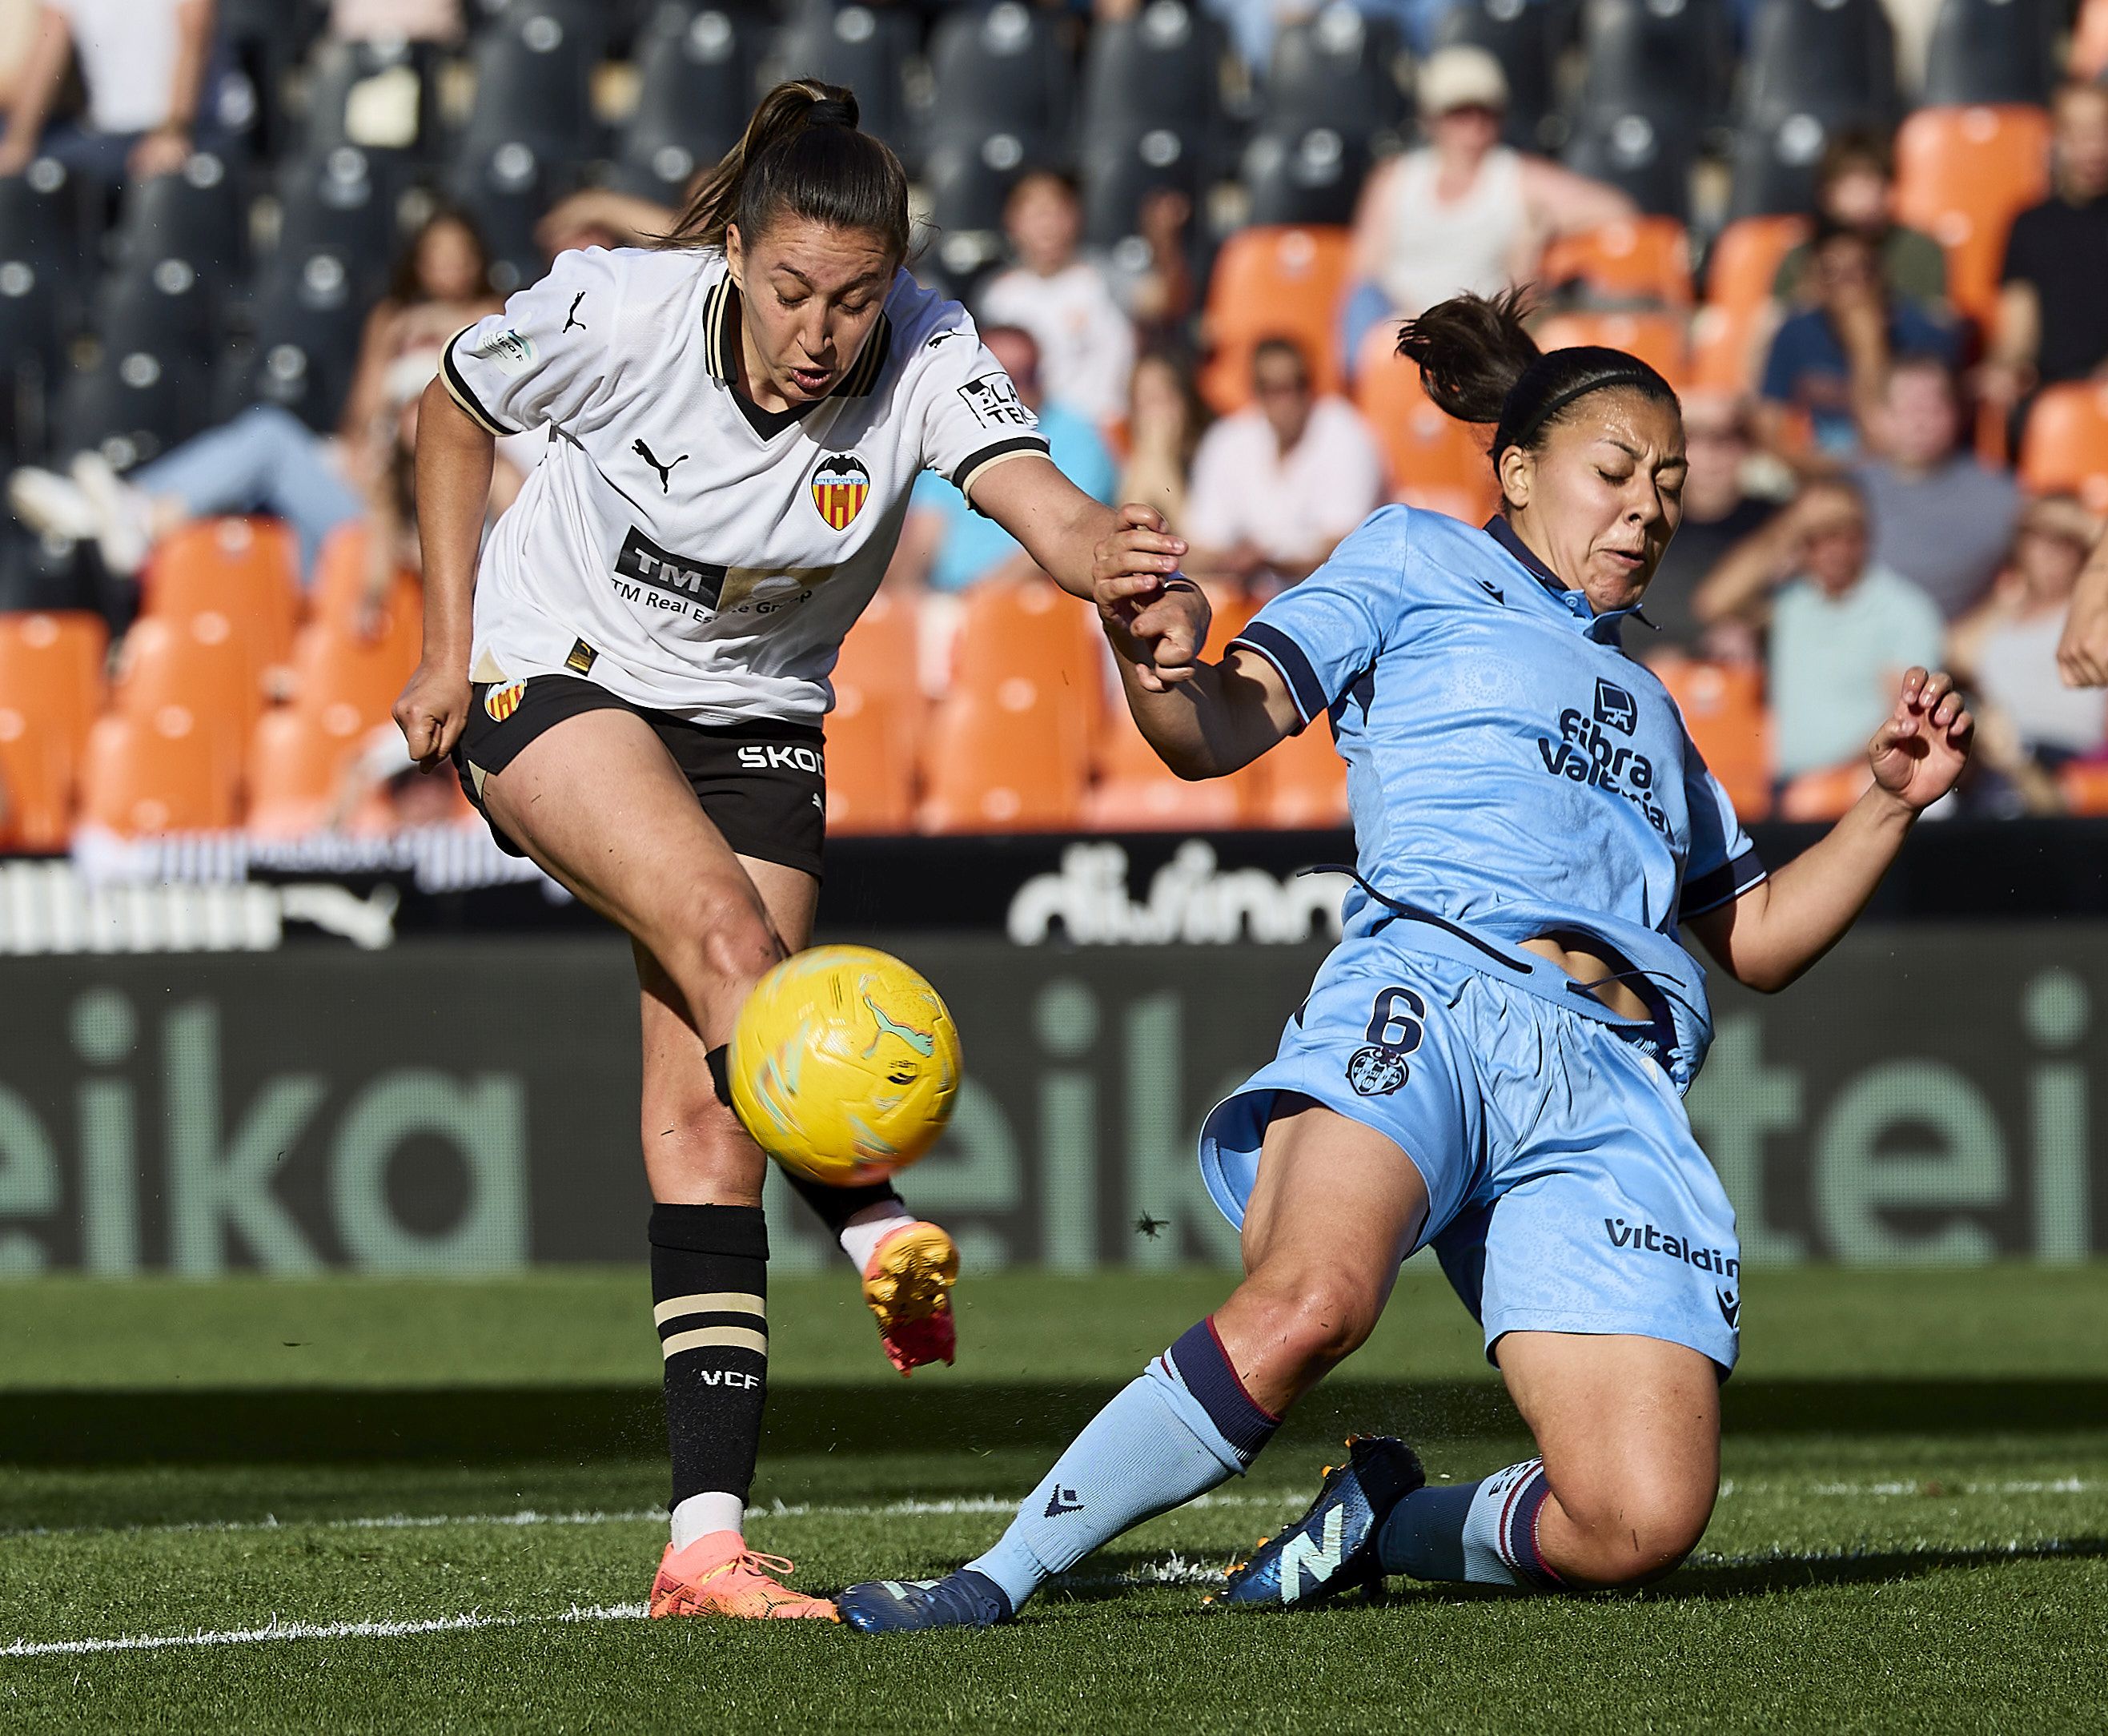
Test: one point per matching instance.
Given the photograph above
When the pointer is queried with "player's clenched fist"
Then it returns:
(1156, 619)
(431, 714)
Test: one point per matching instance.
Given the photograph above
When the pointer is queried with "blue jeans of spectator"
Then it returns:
(266, 460)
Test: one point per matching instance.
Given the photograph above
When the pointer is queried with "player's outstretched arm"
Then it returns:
(454, 461)
(2082, 653)
(1779, 927)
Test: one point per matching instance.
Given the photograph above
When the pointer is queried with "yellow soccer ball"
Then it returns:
(845, 1064)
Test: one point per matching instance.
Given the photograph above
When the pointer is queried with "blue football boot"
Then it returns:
(1334, 1545)
(965, 1599)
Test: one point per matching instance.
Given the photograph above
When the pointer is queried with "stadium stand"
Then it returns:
(133, 319)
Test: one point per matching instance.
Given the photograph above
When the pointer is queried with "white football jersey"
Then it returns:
(686, 550)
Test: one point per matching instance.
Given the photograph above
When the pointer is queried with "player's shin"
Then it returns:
(709, 1284)
(1185, 1425)
(1484, 1533)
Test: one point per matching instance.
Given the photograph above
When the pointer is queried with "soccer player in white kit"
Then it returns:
(631, 677)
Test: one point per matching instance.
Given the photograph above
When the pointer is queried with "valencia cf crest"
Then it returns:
(502, 702)
(839, 487)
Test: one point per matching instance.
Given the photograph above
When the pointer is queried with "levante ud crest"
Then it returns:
(839, 488)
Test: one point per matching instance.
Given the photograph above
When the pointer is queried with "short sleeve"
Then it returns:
(972, 418)
(1722, 863)
(1323, 633)
(541, 359)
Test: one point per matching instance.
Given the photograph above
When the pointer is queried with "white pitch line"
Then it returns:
(529, 1517)
(277, 1630)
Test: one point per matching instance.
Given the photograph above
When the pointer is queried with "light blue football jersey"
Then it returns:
(1509, 768)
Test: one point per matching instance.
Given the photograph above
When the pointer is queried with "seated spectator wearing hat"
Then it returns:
(1842, 629)
(1828, 367)
(2051, 323)
(1278, 484)
(2005, 647)
(146, 67)
(1719, 513)
(1855, 188)
(1942, 519)
(1463, 211)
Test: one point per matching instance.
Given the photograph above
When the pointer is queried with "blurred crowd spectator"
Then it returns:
(1865, 304)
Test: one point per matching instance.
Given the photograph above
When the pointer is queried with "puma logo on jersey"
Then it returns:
(571, 320)
(665, 471)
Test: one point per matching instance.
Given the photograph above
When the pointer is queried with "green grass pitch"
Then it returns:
(361, 1506)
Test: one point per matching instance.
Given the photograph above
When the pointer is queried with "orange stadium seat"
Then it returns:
(1659, 339)
(1823, 796)
(1135, 791)
(1284, 281)
(1723, 709)
(245, 568)
(197, 662)
(1032, 629)
(336, 669)
(52, 675)
(883, 651)
(1305, 785)
(339, 592)
(1726, 348)
(1962, 175)
(296, 766)
(1746, 257)
(1001, 757)
(36, 783)
(1434, 460)
(871, 760)
(2064, 448)
(1647, 258)
(2083, 784)
(155, 775)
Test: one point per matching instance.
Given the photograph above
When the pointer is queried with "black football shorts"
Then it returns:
(765, 786)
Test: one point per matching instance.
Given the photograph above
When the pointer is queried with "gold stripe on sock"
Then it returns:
(737, 1337)
(709, 1301)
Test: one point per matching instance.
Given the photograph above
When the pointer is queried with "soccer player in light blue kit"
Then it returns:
(1493, 1061)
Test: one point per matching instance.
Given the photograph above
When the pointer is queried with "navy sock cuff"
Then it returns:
(1518, 1529)
(740, 1231)
(1205, 1367)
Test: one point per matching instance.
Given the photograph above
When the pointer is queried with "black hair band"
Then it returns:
(1645, 380)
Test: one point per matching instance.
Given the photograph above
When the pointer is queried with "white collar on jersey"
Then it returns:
(721, 340)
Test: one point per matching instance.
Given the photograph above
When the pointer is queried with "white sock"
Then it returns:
(701, 1514)
(862, 1233)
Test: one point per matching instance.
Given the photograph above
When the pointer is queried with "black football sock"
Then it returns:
(710, 1286)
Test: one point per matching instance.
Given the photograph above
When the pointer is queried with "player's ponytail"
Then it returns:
(1478, 363)
(801, 155)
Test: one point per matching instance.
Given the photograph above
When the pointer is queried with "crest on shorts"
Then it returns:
(502, 702)
(1375, 1071)
(840, 486)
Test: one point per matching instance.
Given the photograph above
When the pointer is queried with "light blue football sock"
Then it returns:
(1181, 1429)
(1484, 1533)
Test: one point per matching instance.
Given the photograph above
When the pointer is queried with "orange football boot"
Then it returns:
(718, 1575)
(908, 1286)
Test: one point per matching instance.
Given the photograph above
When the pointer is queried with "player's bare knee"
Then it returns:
(1318, 1320)
(715, 934)
(1632, 1534)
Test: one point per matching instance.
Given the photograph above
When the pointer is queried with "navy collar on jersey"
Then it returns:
(721, 356)
(1576, 602)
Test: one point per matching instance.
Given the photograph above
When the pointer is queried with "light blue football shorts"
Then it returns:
(1566, 1191)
